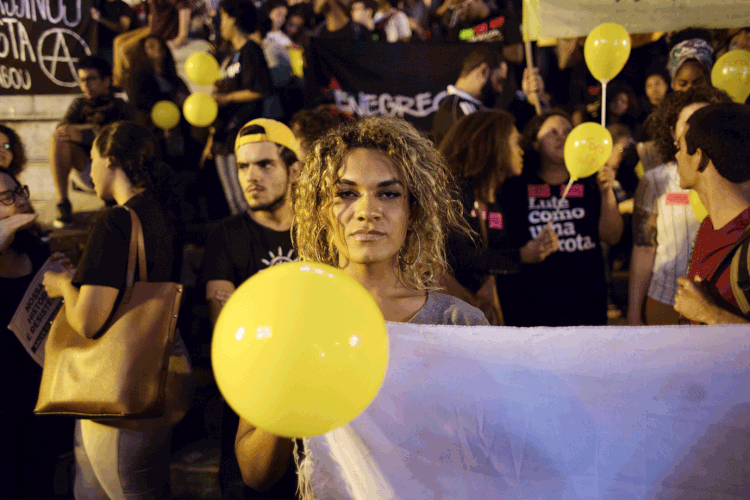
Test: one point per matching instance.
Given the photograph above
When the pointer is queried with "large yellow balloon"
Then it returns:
(731, 73)
(202, 68)
(165, 115)
(300, 349)
(606, 51)
(587, 148)
(697, 205)
(200, 109)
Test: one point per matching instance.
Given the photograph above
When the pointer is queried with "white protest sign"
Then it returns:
(575, 18)
(549, 413)
(32, 319)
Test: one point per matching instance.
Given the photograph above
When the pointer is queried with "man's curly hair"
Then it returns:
(434, 206)
(661, 123)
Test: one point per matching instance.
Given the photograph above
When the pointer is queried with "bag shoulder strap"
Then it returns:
(739, 277)
(721, 266)
(137, 248)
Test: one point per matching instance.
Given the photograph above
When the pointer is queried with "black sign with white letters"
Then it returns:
(40, 44)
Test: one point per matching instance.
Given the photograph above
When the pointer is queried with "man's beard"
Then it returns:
(271, 206)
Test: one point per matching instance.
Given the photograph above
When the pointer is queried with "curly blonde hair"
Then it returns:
(434, 206)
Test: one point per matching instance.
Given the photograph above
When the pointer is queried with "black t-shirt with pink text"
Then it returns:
(569, 287)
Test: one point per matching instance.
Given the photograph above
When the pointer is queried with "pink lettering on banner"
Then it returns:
(678, 199)
(496, 220)
(539, 190)
(497, 22)
(576, 191)
(480, 28)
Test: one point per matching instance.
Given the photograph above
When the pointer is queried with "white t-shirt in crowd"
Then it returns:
(397, 26)
(676, 229)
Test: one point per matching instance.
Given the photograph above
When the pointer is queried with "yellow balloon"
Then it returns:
(731, 73)
(165, 115)
(587, 148)
(202, 68)
(698, 208)
(300, 349)
(200, 109)
(297, 61)
(606, 51)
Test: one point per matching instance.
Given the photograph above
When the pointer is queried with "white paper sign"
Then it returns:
(574, 18)
(32, 319)
(549, 413)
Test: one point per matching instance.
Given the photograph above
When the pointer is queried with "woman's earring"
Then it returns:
(419, 250)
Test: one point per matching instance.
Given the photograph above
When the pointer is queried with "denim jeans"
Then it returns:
(114, 463)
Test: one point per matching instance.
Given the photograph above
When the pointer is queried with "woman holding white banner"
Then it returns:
(376, 200)
(31, 444)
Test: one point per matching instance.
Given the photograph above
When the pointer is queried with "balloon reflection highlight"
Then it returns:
(317, 354)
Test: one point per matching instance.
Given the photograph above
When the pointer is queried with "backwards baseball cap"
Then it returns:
(266, 130)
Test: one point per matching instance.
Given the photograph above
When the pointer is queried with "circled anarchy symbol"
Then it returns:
(61, 53)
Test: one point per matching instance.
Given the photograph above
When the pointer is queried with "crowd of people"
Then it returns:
(463, 224)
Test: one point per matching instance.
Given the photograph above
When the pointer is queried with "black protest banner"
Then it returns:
(40, 42)
(407, 80)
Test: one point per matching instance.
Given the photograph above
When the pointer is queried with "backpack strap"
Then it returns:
(720, 267)
(739, 277)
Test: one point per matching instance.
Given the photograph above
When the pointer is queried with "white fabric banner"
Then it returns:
(574, 18)
(549, 413)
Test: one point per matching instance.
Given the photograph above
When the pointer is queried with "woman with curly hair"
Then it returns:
(664, 223)
(129, 459)
(12, 152)
(378, 201)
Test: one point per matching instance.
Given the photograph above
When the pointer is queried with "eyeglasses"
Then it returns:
(9, 197)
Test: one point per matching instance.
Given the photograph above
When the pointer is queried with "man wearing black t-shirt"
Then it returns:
(244, 83)
(71, 141)
(267, 160)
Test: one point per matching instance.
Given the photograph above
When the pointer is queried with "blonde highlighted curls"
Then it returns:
(435, 209)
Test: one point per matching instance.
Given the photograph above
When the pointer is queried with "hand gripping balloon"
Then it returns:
(300, 349)
(587, 149)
